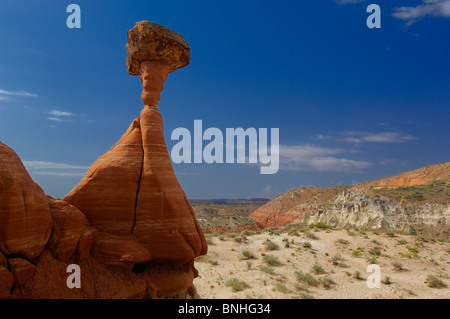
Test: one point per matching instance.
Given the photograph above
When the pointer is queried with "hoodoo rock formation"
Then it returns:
(128, 224)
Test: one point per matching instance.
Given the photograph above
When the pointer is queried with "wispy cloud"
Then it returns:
(310, 157)
(381, 137)
(34, 165)
(56, 119)
(368, 137)
(59, 113)
(55, 169)
(59, 116)
(428, 8)
(4, 94)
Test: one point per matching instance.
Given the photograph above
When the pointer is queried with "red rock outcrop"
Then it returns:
(128, 224)
(21, 269)
(421, 176)
(69, 224)
(121, 251)
(25, 220)
(6, 278)
(107, 194)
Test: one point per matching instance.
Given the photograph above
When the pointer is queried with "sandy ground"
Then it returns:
(419, 259)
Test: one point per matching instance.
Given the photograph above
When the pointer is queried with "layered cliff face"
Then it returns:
(423, 208)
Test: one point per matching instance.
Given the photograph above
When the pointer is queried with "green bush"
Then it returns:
(327, 282)
(237, 285)
(293, 232)
(397, 265)
(270, 245)
(306, 279)
(321, 225)
(435, 282)
(317, 269)
(336, 259)
(271, 260)
(342, 241)
(307, 244)
(281, 288)
(248, 254)
(267, 270)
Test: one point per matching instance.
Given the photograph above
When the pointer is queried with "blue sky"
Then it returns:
(352, 104)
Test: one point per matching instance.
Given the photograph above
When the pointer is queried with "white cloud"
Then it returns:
(310, 157)
(4, 95)
(59, 113)
(35, 165)
(18, 93)
(56, 119)
(381, 137)
(55, 169)
(428, 8)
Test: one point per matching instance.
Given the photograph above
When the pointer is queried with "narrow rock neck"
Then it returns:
(153, 76)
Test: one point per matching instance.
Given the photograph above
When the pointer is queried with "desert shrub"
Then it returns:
(301, 287)
(390, 233)
(281, 288)
(397, 265)
(248, 254)
(307, 244)
(306, 296)
(293, 232)
(271, 260)
(435, 282)
(327, 282)
(372, 260)
(357, 275)
(270, 245)
(213, 262)
(271, 231)
(402, 242)
(376, 242)
(307, 279)
(342, 241)
(356, 253)
(209, 241)
(237, 285)
(249, 264)
(321, 225)
(311, 235)
(213, 235)
(317, 269)
(267, 270)
(336, 259)
(375, 251)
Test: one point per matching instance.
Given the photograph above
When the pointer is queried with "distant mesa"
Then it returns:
(417, 201)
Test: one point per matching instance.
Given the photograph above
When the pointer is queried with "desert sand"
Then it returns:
(416, 258)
